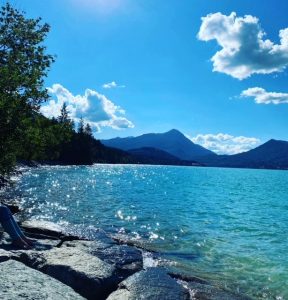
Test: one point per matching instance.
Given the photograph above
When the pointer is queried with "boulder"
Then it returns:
(18, 281)
(86, 274)
(92, 268)
(126, 259)
(101, 242)
(42, 229)
(40, 245)
(152, 284)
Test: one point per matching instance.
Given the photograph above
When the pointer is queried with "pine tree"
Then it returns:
(81, 126)
(88, 130)
(64, 114)
(23, 67)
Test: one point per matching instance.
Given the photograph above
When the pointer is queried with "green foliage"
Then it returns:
(81, 126)
(23, 66)
(23, 61)
(88, 130)
(25, 133)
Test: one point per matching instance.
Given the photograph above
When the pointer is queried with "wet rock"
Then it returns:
(187, 278)
(17, 281)
(200, 291)
(95, 268)
(152, 284)
(126, 259)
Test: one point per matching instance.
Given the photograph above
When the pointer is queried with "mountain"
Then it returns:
(271, 155)
(173, 142)
(154, 156)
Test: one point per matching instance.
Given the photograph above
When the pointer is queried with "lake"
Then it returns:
(225, 225)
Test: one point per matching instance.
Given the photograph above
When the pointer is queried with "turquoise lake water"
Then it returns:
(229, 226)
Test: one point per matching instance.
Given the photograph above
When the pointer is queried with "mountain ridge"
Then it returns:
(173, 141)
(272, 154)
(155, 156)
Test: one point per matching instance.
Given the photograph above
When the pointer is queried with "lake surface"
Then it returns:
(226, 225)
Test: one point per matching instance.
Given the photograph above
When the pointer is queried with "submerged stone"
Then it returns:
(200, 291)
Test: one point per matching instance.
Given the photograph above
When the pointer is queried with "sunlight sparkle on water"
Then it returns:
(220, 224)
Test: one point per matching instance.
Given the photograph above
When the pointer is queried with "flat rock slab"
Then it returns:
(43, 225)
(42, 228)
(152, 284)
(18, 281)
(90, 246)
(200, 291)
(40, 245)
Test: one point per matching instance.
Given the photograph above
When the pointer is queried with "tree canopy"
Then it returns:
(25, 134)
(23, 66)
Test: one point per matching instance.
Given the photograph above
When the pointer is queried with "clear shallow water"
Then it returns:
(226, 225)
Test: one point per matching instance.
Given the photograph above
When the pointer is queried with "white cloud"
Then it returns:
(223, 143)
(261, 96)
(112, 85)
(244, 50)
(94, 107)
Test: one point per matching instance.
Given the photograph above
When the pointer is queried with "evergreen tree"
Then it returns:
(23, 67)
(81, 126)
(88, 130)
(64, 114)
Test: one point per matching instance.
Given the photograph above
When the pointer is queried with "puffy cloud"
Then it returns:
(261, 96)
(244, 50)
(223, 143)
(112, 85)
(94, 107)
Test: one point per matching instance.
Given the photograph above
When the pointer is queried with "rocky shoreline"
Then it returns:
(63, 266)
(66, 266)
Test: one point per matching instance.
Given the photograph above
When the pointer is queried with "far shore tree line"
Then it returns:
(25, 134)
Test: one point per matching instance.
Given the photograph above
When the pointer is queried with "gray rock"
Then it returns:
(152, 284)
(18, 281)
(4, 255)
(200, 291)
(40, 245)
(42, 228)
(90, 246)
(86, 274)
(92, 268)
(126, 259)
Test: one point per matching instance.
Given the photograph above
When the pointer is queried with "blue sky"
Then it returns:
(136, 66)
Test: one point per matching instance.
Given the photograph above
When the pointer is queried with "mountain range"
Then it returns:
(175, 146)
(172, 142)
(270, 155)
